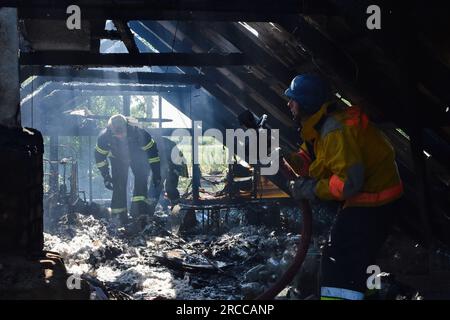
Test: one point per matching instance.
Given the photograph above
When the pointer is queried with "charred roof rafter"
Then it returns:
(63, 96)
(82, 58)
(162, 41)
(97, 28)
(255, 85)
(217, 10)
(381, 81)
(214, 81)
(247, 45)
(165, 38)
(70, 74)
(127, 36)
(192, 35)
(100, 89)
(256, 77)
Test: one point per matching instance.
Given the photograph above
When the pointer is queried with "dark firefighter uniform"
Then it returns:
(138, 151)
(349, 160)
(170, 171)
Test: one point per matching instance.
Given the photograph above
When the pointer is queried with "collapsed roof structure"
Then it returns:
(213, 60)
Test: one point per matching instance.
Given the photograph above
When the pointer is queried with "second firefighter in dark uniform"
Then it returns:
(170, 171)
(127, 145)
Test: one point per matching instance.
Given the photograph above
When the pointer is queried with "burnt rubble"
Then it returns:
(239, 263)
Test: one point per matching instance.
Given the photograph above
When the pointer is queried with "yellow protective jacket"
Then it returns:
(354, 162)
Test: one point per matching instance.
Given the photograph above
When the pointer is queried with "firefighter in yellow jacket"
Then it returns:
(352, 162)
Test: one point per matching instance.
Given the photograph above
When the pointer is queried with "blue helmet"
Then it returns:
(310, 91)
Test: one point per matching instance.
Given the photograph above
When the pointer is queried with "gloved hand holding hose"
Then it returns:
(300, 187)
(303, 188)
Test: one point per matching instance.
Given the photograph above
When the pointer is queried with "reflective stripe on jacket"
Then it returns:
(354, 161)
(139, 147)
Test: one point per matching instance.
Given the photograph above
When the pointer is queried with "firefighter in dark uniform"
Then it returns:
(170, 171)
(127, 145)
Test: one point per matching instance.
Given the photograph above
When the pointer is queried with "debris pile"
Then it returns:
(238, 264)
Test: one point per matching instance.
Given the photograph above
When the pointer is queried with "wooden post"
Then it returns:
(9, 69)
(126, 105)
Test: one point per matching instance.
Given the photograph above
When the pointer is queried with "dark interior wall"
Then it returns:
(21, 206)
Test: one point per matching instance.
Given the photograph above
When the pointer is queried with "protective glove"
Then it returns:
(107, 180)
(303, 189)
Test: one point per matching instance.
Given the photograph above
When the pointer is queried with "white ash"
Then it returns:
(90, 247)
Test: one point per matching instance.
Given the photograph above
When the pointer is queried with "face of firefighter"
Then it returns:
(295, 110)
(119, 133)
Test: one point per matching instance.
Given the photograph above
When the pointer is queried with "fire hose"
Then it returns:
(302, 247)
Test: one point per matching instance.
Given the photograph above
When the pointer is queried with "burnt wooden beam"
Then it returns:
(211, 75)
(126, 36)
(72, 74)
(81, 58)
(96, 26)
(29, 102)
(215, 82)
(259, 86)
(86, 131)
(105, 89)
(161, 37)
(257, 95)
(126, 98)
(107, 34)
(164, 38)
(148, 14)
(40, 90)
(217, 10)
(31, 85)
(246, 45)
(54, 164)
(381, 81)
(232, 103)
(54, 88)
